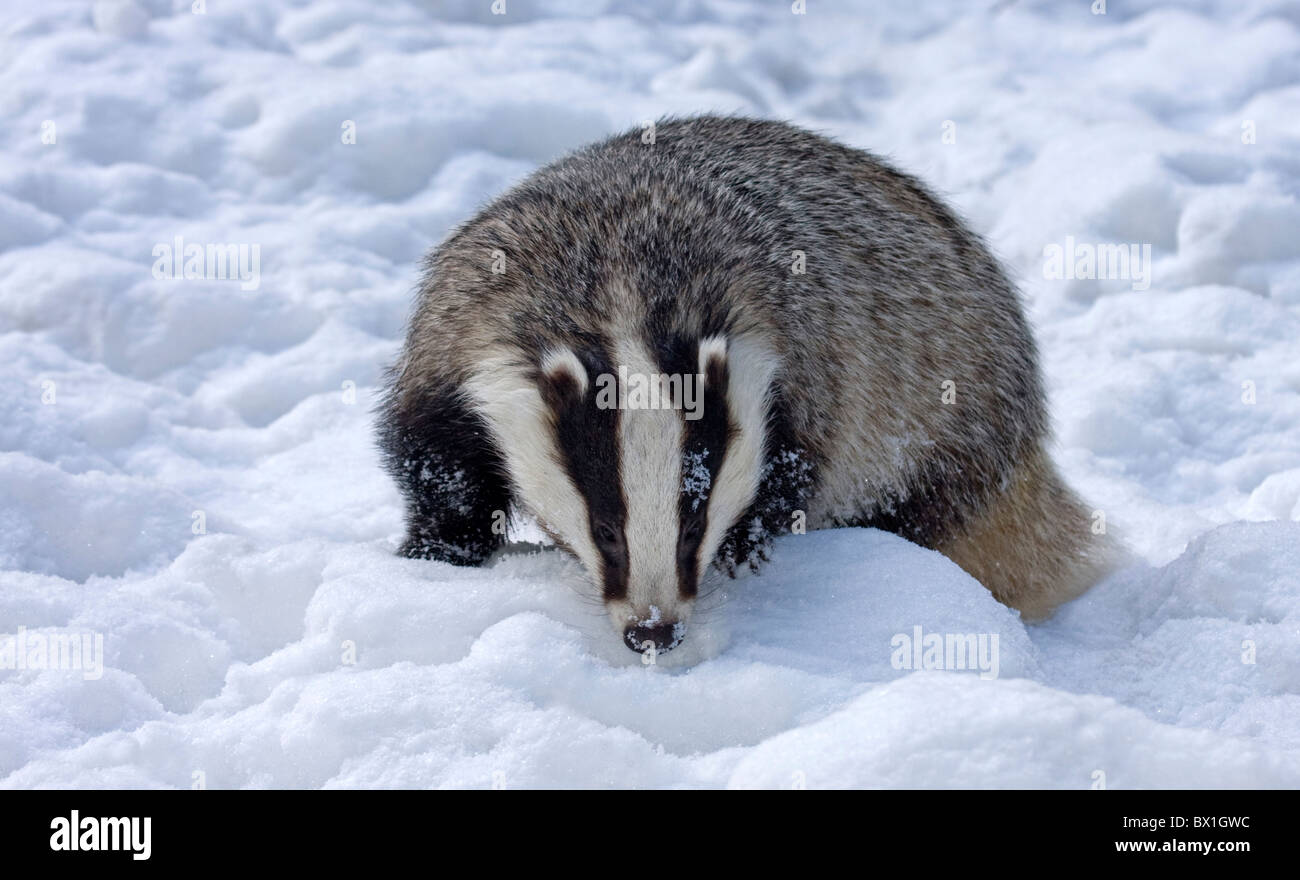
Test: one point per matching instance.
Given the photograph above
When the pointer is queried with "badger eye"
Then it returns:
(606, 535)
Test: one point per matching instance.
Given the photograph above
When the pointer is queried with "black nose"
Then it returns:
(663, 636)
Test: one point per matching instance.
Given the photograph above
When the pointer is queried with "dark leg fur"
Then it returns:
(451, 474)
(789, 473)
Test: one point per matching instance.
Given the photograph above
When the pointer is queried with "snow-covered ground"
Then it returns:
(187, 468)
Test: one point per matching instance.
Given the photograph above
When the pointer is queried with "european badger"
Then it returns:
(862, 357)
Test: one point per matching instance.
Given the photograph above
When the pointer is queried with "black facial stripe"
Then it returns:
(588, 440)
(704, 449)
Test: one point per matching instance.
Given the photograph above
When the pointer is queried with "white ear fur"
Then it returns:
(712, 348)
(562, 361)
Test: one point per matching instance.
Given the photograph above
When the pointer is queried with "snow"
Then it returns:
(187, 466)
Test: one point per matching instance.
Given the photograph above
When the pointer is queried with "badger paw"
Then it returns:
(747, 544)
(422, 547)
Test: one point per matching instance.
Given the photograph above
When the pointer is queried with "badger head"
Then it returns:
(637, 459)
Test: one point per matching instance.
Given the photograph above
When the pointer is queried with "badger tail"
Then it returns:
(1036, 545)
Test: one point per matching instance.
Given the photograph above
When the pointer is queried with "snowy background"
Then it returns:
(187, 468)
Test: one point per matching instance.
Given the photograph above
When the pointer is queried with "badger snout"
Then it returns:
(659, 637)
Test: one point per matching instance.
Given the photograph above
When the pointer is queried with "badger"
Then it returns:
(829, 344)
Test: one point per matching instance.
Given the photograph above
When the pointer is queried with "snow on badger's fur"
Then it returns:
(861, 360)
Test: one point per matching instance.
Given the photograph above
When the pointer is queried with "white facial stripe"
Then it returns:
(751, 366)
(521, 423)
(651, 462)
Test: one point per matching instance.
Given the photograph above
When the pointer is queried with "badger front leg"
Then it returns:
(451, 476)
(785, 485)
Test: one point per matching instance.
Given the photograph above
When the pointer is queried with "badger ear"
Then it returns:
(713, 362)
(562, 378)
